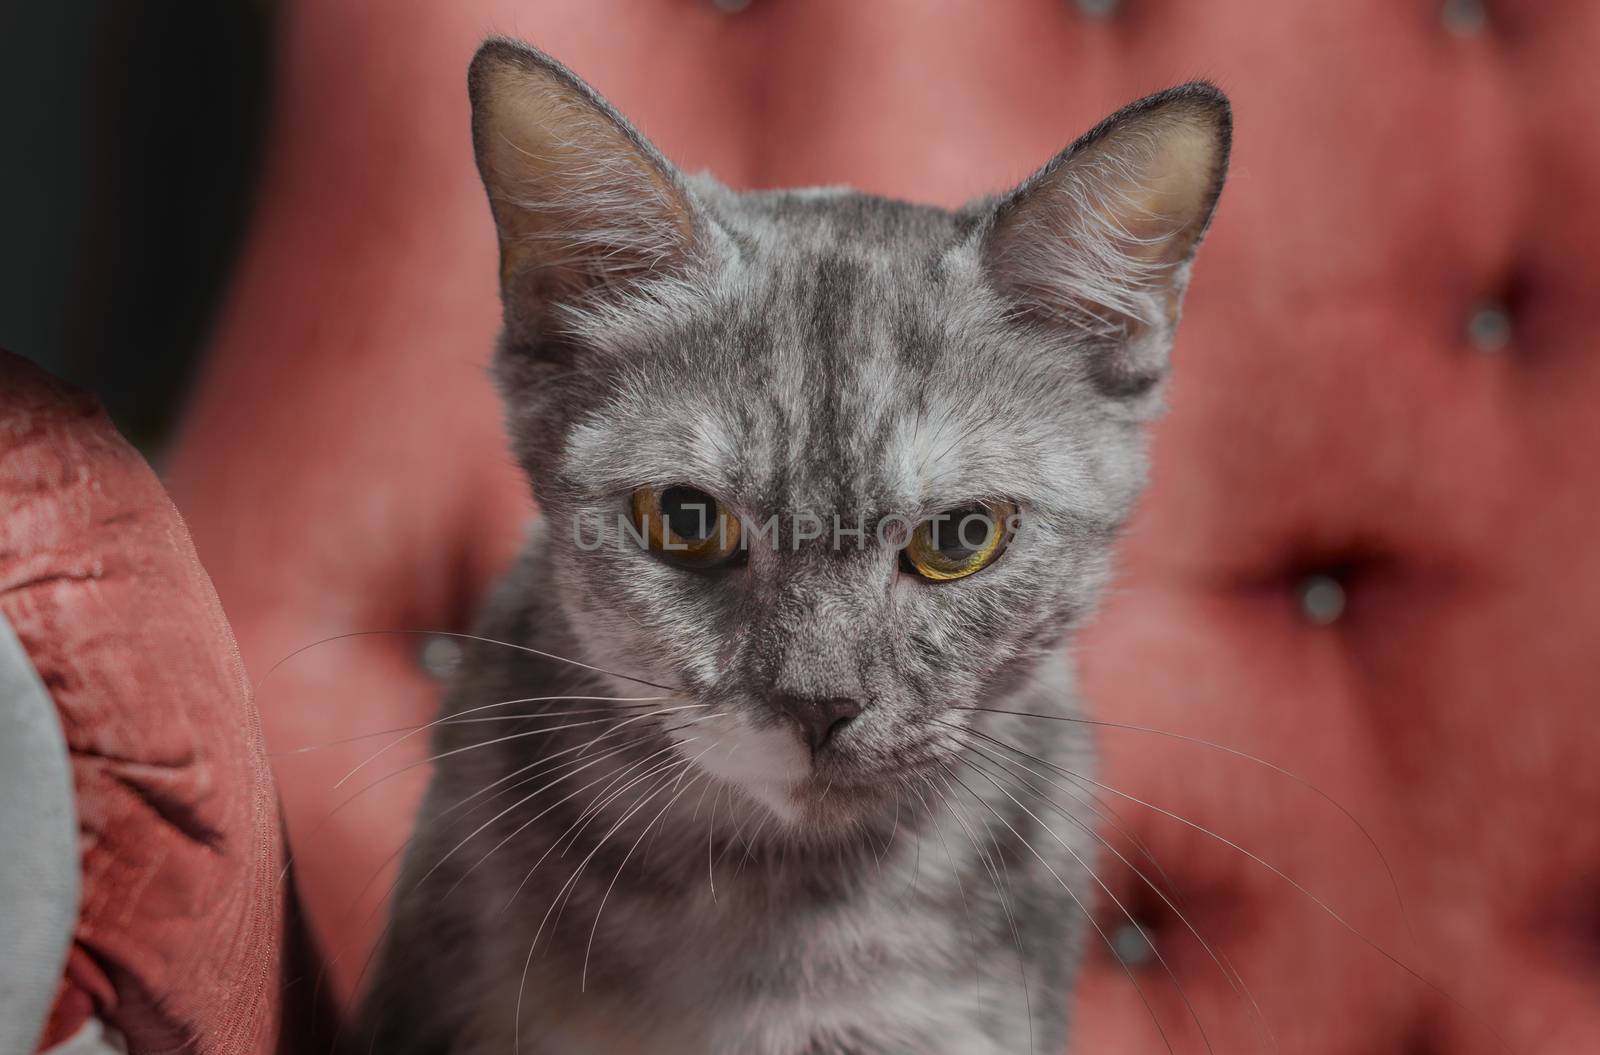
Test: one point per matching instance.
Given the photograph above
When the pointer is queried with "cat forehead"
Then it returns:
(853, 454)
(842, 376)
(840, 356)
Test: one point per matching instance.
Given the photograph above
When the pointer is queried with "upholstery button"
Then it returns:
(1464, 17)
(1321, 599)
(1097, 8)
(439, 657)
(1489, 328)
(1131, 944)
(730, 7)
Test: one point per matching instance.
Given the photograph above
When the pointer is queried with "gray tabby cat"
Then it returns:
(827, 482)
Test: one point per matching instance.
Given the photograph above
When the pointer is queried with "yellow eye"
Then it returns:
(685, 524)
(962, 541)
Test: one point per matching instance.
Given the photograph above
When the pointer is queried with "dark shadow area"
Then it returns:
(132, 137)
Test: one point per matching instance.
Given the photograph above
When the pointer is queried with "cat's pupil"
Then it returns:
(691, 513)
(962, 532)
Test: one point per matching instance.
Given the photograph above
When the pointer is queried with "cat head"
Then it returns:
(836, 466)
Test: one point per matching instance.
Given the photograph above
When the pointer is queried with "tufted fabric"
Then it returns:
(1368, 554)
(180, 924)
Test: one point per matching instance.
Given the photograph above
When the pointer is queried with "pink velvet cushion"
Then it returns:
(179, 931)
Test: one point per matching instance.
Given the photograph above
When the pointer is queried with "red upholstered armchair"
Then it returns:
(122, 698)
(1368, 555)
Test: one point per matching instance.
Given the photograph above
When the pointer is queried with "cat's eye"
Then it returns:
(685, 524)
(962, 541)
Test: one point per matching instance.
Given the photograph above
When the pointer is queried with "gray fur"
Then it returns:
(818, 352)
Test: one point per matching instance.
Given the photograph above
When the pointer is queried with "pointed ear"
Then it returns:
(585, 206)
(1099, 241)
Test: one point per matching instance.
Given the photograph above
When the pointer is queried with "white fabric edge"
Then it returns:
(39, 863)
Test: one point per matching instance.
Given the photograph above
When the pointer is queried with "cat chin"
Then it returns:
(731, 748)
(816, 808)
(772, 768)
(779, 799)
(767, 764)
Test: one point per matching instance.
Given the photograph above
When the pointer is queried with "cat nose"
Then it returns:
(819, 717)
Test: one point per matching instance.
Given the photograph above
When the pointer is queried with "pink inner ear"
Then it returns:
(1162, 188)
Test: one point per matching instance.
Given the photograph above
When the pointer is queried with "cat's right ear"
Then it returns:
(584, 205)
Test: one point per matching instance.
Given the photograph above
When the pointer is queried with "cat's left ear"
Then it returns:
(1100, 240)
